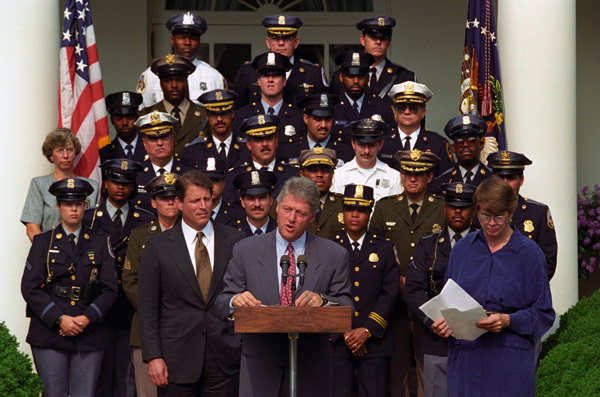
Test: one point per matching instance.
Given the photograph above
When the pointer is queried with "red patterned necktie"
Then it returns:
(286, 289)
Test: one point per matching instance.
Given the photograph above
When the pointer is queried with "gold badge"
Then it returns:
(219, 95)
(331, 198)
(59, 236)
(169, 178)
(70, 183)
(86, 236)
(373, 257)
(170, 59)
(389, 70)
(409, 88)
(505, 157)
(99, 213)
(127, 264)
(358, 191)
(431, 199)
(261, 119)
(155, 118)
(341, 218)
(459, 188)
(318, 150)
(441, 240)
(136, 214)
(209, 145)
(436, 228)
(124, 165)
(380, 21)
(528, 226)
(280, 168)
(281, 20)
(415, 154)
(236, 146)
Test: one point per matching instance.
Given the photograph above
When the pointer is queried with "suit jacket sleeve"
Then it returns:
(339, 287)
(149, 302)
(234, 282)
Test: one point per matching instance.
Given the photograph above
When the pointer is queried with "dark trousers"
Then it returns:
(213, 382)
(116, 372)
(373, 376)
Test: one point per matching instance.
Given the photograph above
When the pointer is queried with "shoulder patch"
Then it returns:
(549, 219)
(140, 88)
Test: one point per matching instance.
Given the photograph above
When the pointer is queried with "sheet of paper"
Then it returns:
(465, 312)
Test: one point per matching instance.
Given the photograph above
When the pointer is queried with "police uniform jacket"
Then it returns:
(195, 121)
(131, 268)
(282, 171)
(374, 278)
(205, 78)
(391, 74)
(453, 175)
(92, 262)
(291, 127)
(241, 224)
(204, 147)
(227, 214)
(331, 218)
(344, 114)
(429, 265)
(291, 151)
(428, 141)
(142, 200)
(98, 219)
(305, 79)
(114, 150)
(533, 219)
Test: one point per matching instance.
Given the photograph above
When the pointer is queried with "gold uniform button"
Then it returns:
(356, 269)
(411, 258)
(73, 277)
(355, 314)
(412, 232)
(412, 244)
(356, 298)
(356, 284)
(72, 303)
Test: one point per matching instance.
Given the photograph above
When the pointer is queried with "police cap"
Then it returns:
(354, 62)
(458, 194)
(465, 124)
(368, 130)
(124, 102)
(379, 26)
(507, 163)
(271, 63)
(218, 101)
(187, 23)
(162, 185)
(172, 65)
(410, 92)
(261, 125)
(358, 196)
(416, 161)
(121, 170)
(255, 182)
(71, 189)
(213, 167)
(156, 124)
(320, 105)
(318, 156)
(282, 25)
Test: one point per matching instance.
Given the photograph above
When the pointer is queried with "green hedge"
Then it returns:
(16, 375)
(570, 364)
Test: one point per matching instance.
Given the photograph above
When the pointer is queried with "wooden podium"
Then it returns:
(293, 320)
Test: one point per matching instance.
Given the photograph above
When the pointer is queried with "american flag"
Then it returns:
(481, 88)
(81, 105)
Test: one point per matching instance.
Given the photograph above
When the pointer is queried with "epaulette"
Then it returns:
(241, 139)
(94, 208)
(200, 139)
(398, 197)
(334, 195)
(448, 171)
(530, 201)
(140, 209)
(339, 237)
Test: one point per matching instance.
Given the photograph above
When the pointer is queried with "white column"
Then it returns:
(537, 54)
(29, 69)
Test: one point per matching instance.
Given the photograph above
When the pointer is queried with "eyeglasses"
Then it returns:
(61, 150)
(487, 218)
(461, 141)
(401, 108)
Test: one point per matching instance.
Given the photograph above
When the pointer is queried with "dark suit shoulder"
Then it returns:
(200, 139)
(142, 213)
(435, 136)
(535, 203)
(235, 233)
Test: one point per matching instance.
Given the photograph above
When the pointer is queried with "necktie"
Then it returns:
(72, 241)
(129, 151)
(222, 152)
(258, 232)
(355, 248)
(414, 214)
(407, 143)
(455, 239)
(161, 171)
(270, 110)
(373, 81)
(355, 107)
(468, 177)
(203, 269)
(286, 289)
(118, 221)
(264, 168)
(176, 113)
(318, 145)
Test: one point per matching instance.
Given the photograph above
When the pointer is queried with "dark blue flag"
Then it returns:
(481, 88)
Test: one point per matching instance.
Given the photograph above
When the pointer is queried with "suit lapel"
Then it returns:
(403, 210)
(313, 263)
(268, 274)
(444, 246)
(425, 211)
(328, 211)
(181, 258)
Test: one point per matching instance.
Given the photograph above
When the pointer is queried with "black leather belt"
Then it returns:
(71, 293)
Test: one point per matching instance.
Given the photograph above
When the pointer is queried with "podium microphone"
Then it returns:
(284, 262)
(302, 264)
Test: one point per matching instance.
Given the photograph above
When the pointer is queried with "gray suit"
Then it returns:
(264, 364)
(175, 321)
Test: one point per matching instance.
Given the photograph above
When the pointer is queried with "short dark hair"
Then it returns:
(495, 196)
(192, 177)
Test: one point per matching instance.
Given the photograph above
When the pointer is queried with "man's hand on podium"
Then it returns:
(309, 298)
(245, 299)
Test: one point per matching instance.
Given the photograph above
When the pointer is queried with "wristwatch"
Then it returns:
(324, 298)
(59, 320)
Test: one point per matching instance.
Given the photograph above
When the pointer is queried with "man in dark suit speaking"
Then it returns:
(254, 278)
(189, 350)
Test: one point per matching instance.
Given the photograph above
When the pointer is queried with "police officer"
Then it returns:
(115, 218)
(374, 279)
(376, 38)
(172, 71)
(303, 78)
(365, 168)
(355, 102)
(123, 109)
(318, 117)
(157, 135)
(272, 68)
(162, 189)
(256, 191)
(404, 219)
(426, 276)
(69, 285)
(409, 106)
(533, 219)
(466, 131)
(218, 139)
(222, 211)
(186, 29)
(262, 142)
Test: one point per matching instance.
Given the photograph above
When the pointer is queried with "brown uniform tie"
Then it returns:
(203, 268)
